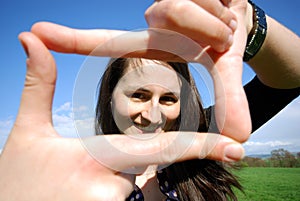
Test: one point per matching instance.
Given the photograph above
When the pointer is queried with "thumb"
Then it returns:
(232, 110)
(36, 102)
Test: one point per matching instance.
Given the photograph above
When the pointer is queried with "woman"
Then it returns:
(132, 105)
(44, 166)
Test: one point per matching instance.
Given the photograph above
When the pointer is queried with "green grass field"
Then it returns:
(269, 184)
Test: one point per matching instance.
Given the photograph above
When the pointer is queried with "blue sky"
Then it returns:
(17, 16)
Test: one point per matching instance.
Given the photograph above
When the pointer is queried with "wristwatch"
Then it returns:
(257, 34)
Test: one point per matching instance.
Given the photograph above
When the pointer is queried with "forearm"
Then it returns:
(265, 102)
(277, 64)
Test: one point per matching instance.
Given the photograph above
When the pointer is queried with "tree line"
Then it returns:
(279, 158)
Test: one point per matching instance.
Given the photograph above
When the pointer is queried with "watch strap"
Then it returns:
(257, 34)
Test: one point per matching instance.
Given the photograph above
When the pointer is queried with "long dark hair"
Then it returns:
(194, 179)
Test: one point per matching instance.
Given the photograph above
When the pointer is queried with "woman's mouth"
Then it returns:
(151, 128)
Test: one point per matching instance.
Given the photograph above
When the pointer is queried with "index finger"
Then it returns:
(66, 40)
(115, 43)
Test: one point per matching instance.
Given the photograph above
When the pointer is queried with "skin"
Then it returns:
(151, 103)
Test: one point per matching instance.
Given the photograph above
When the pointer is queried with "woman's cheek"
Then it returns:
(121, 106)
(172, 112)
(128, 108)
(134, 108)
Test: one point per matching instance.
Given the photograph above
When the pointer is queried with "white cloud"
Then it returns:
(65, 107)
(252, 147)
(6, 125)
(282, 131)
(81, 108)
(63, 122)
(269, 143)
(68, 126)
(5, 128)
(85, 127)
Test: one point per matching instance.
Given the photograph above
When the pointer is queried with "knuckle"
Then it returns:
(178, 9)
(220, 38)
(148, 13)
(221, 34)
(167, 14)
(180, 6)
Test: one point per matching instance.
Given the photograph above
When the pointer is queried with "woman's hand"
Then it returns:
(206, 22)
(222, 26)
(38, 164)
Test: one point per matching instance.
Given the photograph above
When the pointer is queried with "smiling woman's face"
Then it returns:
(147, 99)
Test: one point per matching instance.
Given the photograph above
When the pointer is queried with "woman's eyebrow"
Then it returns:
(132, 89)
(143, 89)
(171, 93)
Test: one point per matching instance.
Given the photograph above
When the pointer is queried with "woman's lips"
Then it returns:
(149, 128)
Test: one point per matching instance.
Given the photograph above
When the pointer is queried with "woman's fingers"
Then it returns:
(152, 43)
(206, 22)
(232, 111)
(231, 105)
(63, 39)
(220, 10)
(130, 153)
(36, 102)
(209, 19)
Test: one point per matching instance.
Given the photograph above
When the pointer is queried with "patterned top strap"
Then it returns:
(164, 185)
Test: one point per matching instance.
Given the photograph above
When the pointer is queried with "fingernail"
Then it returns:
(225, 46)
(233, 25)
(228, 44)
(230, 39)
(234, 152)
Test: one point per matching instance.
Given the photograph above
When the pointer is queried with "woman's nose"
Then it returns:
(152, 114)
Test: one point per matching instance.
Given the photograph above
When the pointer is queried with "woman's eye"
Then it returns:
(168, 100)
(138, 96)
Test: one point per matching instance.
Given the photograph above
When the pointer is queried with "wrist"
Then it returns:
(257, 34)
